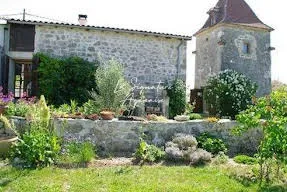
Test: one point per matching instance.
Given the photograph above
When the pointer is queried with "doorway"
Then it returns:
(23, 80)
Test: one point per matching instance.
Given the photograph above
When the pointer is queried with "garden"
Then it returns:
(45, 155)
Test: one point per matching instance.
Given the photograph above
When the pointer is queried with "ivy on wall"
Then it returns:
(64, 79)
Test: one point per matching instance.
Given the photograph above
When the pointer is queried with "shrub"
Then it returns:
(6, 124)
(244, 159)
(212, 119)
(211, 144)
(65, 79)
(194, 116)
(65, 110)
(78, 152)
(91, 107)
(220, 158)
(148, 153)
(38, 146)
(35, 149)
(177, 98)
(199, 157)
(184, 148)
(153, 117)
(189, 108)
(270, 115)
(228, 93)
(20, 108)
(113, 89)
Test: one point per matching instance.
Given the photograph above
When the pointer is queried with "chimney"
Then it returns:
(213, 15)
(82, 19)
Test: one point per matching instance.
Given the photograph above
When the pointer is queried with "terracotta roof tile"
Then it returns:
(233, 12)
(34, 22)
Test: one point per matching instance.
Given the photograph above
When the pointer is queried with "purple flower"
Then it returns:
(5, 99)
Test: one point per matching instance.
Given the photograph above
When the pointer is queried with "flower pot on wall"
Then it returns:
(3, 109)
(5, 144)
(107, 115)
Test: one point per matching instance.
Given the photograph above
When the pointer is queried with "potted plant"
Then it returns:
(4, 100)
(181, 118)
(107, 115)
(7, 136)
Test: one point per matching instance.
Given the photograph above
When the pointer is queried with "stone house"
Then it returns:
(149, 58)
(233, 37)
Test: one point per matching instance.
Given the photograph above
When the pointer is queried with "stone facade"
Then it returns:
(1, 48)
(122, 137)
(208, 56)
(147, 58)
(220, 48)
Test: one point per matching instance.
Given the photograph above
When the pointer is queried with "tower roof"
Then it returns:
(233, 12)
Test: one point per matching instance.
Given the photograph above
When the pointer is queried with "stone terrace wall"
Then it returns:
(148, 58)
(121, 137)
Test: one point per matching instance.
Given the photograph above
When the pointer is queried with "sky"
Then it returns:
(183, 17)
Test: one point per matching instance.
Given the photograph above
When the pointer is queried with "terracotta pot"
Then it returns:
(93, 117)
(3, 109)
(5, 144)
(107, 115)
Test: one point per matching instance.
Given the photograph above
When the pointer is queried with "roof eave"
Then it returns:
(267, 28)
(186, 38)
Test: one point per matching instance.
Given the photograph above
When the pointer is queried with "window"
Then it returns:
(23, 79)
(22, 37)
(246, 48)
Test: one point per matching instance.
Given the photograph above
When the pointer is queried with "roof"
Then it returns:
(233, 12)
(34, 22)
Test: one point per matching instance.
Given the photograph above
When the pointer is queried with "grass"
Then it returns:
(130, 178)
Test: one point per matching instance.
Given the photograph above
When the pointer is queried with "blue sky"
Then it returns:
(183, 17)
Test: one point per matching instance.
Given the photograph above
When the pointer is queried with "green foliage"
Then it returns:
(220, 158)
(20, 108)
(177, 98)
(159, 178)
(91, 107)
(211, 144)
(38, 146)
(189, 108)
(153, 117)
(270, 114)
(6, 123)
(244, 159)
(39, 116)
(78, 153)
(66, 109)
(148, 153)
(228, 93)
(36, 149)
(113, 89)
(65, 79)
(194, 116)
(184, 148)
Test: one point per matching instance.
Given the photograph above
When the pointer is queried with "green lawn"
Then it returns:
(133, 178)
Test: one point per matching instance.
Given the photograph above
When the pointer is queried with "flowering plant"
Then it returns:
(25, 99)
(228, 93)
(5, 99)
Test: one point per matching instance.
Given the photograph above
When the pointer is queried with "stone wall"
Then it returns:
(121, 137)
(1, 48)
(257, 64)
(208, 60)
(220, 48)
(148, 58)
